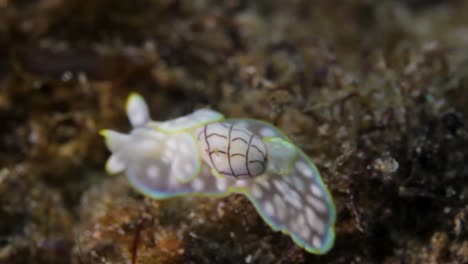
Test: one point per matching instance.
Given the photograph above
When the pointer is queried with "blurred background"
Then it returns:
(375, 92)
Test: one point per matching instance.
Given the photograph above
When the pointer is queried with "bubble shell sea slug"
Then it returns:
(204, 154)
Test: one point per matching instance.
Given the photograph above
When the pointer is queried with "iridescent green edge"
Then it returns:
(332, 219)
(155, 126)
(327, 245)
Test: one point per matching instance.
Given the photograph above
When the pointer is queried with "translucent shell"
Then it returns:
(204, 154)
(232, 151)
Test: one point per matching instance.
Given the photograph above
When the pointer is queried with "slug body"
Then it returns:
(203, 153)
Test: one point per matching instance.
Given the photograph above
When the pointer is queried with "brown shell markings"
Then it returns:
(232, 150)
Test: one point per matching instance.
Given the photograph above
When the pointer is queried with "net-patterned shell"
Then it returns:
(232, 151)
(203, 153)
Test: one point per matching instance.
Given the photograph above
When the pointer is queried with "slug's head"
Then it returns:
(232, 151)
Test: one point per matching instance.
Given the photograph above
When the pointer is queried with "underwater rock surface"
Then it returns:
(374, 92)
